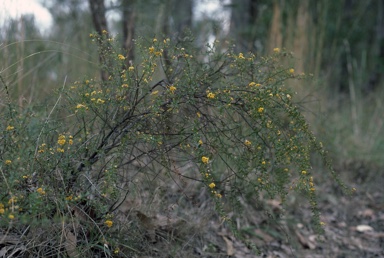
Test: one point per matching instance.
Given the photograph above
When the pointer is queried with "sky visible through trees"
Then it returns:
(15, 8)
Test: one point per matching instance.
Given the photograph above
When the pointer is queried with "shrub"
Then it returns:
(220, 119)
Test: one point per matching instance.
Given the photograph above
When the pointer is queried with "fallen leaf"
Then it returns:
(275, 203)
(306, 241)
(70, 243)
(149, 224)
(264, 236)
(364, 228)
(367, 213)
(146, 221)
(230, 249)
(375, 234)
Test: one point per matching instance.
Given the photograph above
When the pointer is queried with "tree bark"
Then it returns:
(182, 13)
(100, 23)
(129, 17)
(243, 23)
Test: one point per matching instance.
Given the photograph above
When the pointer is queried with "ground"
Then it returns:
(166, 220)
(354, 225)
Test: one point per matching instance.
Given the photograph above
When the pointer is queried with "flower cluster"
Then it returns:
(40, 191)
(108, 223)
(210, 95)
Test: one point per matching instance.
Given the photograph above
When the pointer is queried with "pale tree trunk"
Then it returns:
(275, 32)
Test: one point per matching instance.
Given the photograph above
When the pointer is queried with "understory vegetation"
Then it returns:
(113, 166)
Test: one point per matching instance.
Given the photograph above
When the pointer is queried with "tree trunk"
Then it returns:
(376, 75)
(100, 23)
(129, 15)
(182, 13)
(243, 23)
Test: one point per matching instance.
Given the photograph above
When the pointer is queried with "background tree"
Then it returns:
(98, 12)
(128, 20)
(243, 28)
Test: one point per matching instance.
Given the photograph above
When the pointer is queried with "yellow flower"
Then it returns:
(276, 50)
(11, 216)
(121, 57)
(258, 85)
(124, 85)
(158, 53)
(247, 142)
(12, 200)
(198, 114)
(8, 162)
(80, 106)
(291, 71)
(154, 40)
(200, 142)
(61, 141)
(70, 140)
(9, 128)
(100, 101)
(211, 95)
(108, 223)
(252, 84)
(205, 160)
(155, 92)
(40, 191)
(60, 150)
(218, 195)
(304, 172)
(2, 210)
(212, 185)
(241, 56)
(131, 68)
(151, 50)
(104, 32)
(260, 110)
(172, 88)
